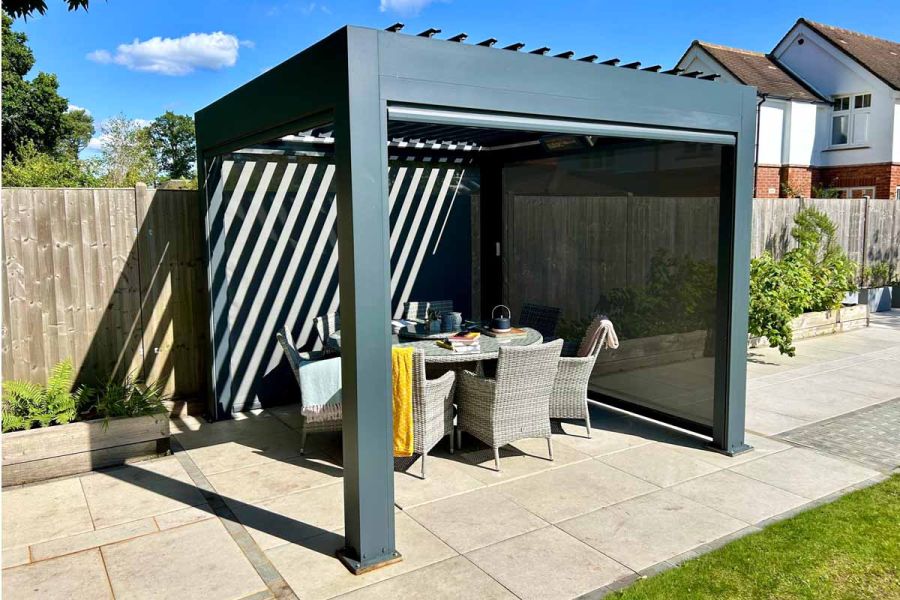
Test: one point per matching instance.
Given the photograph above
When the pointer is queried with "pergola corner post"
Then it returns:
(360, 128)
(734, 285)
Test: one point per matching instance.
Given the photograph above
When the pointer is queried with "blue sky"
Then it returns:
(108, 61)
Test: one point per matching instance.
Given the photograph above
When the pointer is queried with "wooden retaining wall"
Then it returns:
(113, 279)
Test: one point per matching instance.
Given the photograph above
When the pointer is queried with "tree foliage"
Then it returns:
(126, 154)
(172, 140)
(30, 168)
(26, 8)
(41, 136)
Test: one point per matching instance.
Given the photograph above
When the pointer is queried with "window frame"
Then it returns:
(850, 113)
(848, 191)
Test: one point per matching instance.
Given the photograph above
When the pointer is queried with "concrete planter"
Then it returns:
(878, 298)
(895, 296)
(651, 352)
(60, 450)
(827, 322)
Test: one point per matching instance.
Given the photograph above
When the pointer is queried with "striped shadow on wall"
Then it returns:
(274, 259)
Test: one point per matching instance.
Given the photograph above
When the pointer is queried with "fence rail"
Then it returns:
(115, 279)
(112, 279)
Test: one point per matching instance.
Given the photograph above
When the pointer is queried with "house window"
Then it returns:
(856, 192)
(850, 119)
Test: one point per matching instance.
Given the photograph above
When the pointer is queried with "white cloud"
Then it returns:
(175, 56)
(404, 7)
(76, 107)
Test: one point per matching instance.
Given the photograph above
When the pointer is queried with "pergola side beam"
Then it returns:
(364, 274)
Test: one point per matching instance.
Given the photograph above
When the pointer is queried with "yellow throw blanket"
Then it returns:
(401, 379)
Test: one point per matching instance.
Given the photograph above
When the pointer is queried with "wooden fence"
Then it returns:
(113, 279)
(869, 230)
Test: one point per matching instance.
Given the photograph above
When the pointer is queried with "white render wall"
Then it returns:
(832, 73)
(799, 145)
(896, 152)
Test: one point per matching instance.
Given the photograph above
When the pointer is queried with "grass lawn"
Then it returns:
(847, 549)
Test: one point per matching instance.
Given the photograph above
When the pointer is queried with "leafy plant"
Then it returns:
(814, 276)
(27, 405)
(878, 275)
(821, 191)
(130, 397)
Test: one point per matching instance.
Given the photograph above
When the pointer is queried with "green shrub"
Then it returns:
(27, 405)
(878, 275)
(814, 276)
(129, 397)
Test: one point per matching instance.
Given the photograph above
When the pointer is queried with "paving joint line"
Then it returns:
(265, 569)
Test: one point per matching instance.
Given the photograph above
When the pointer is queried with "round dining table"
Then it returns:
(490, 346)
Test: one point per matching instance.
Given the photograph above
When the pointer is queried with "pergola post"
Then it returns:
(734, 286)
(360, 128)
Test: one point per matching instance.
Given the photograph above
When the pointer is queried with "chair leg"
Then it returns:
(550, 447)
(452, 435)
(303, 439)
(587, 418)
(459, 438)
(497, 459)
(424, 454)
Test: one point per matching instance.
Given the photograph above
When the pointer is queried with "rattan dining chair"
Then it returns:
(570, 389)
(439, 307)
(335, 421)
(325, 325)
(415, 310)
(542, 318)
(433, 409)
(516, 404)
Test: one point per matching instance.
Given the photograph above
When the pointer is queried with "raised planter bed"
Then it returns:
(878, 298)
(49, 452)
(827, 322)
(651, 352)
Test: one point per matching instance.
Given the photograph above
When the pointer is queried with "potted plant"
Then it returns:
(876, 289)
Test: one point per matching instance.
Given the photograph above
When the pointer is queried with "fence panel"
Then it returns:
(113, 279)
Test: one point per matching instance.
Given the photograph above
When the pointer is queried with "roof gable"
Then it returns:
(879, 56)
(760, 70)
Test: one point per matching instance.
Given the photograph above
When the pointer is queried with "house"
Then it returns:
(828, 113)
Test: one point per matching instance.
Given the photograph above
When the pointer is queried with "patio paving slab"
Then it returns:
(69, 577)
(761, 446)
(140, 490)
(15, 555)
(475, 519)
(275, 478)
(805, 472)
(450, 579)
(314, 573)
(92, 539)
(741, 497)
(608, 435)
(525, 457)
(195, 561)
(184, 516)
(294, 517)
(649, 529)
(574, 490)
(547, 563)
(659, 464)
(445, 477)
(44, 511)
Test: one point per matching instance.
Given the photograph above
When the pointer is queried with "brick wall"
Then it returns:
(768, 181)
(883, 177)
(799, 179)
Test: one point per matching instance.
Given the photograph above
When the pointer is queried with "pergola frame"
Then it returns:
(351, 79)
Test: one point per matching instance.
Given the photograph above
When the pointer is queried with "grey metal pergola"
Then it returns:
(357, 81)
